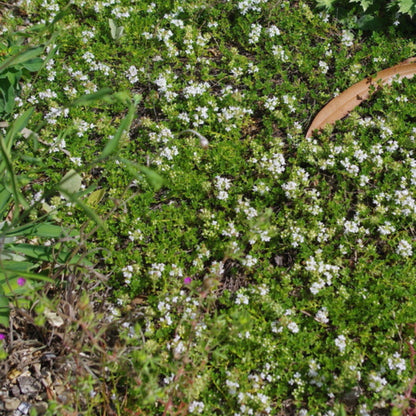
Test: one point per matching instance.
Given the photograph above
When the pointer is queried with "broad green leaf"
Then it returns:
(4, 309)
(327, 4)
(113, 143)
(15, 266)
(17, 126)
(71, 182)
(116, 31)
(21, 57)
(10, 284)
(407, 6)
(10, 99)
(365, 4)
(6, 163)
(96, 197)
(45, 229)
(92, 98)
(152, 177)
(33, 65)
(9, 254)
(49, 254)
(4, 200)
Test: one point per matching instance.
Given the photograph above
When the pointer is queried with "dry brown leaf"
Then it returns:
(344, 103)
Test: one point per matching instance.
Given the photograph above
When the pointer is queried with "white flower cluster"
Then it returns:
(131, 74)
(323, 66)
(387, 228)
(195, 88)
(347, 38)
(230, 231)
(275, 164)
(271, 103)
(96, 66)
(128, 273)
(56, 112)
(319, 268)
(322, 315)
(241, 299)
(232, 112)
(316, 379)
(196, 407)
(404, 249)
(279, 52)
(164, 85)
(341, 342)
(156, 270)
(82, 126)
(261, 188)
(250, 5)
(222, 185)
(255, 33)
(249, 261)
(245, 207)
(376, 382)
(396, 363)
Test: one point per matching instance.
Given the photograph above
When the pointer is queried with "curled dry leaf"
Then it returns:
(344, 103)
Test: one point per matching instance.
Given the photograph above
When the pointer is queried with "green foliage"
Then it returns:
(265, 273)
(373, 14)
(18, 63)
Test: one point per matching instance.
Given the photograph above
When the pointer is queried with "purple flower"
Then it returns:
(21, 281)
(2, 336)
(187, 280)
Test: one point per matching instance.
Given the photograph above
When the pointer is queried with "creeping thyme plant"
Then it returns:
(270, 274)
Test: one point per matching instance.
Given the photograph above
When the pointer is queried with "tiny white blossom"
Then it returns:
(341, 342)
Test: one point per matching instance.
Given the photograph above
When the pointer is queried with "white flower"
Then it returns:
(347, 38)
(254, 35)
(351, 227)
(376, 382)
(280, 53)
(293, 327)
(241, 299)
(271, 103)
(324, 67)
(232, 386)
(132, 74)
(396, 363)
(249, 261)
(404, 248)
(322, 315)
(386, 229)
(273, 31)
(340, 342)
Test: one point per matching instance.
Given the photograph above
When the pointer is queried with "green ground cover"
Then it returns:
(250, 271)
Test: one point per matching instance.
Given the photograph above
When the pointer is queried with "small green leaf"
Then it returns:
(21, 57)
